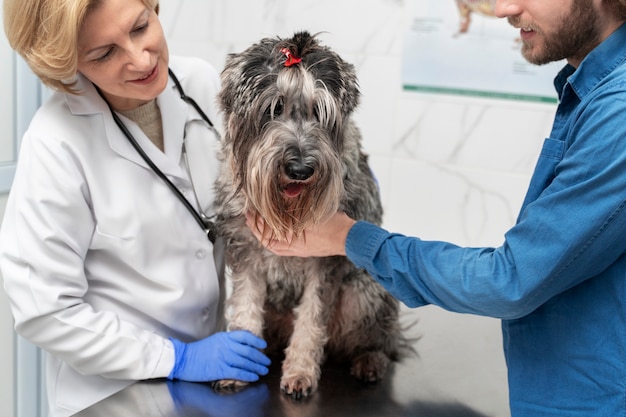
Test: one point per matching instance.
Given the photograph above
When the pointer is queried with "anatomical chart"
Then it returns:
(460, 47)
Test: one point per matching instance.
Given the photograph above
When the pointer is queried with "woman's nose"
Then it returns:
(507, 8)
(139, 57)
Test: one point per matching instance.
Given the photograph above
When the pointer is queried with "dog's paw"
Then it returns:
(228, 385)
(370, 366)
(298, 386)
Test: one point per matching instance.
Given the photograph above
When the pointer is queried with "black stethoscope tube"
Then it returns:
(205, 224)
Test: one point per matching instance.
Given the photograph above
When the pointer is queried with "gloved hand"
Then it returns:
(224, 355)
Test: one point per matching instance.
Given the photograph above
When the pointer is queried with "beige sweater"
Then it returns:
(148, 118)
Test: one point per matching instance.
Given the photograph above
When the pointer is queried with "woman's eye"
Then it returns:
(105, 56)
(141, 28)
(110, 51)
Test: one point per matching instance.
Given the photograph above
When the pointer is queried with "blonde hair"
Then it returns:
(45, 34)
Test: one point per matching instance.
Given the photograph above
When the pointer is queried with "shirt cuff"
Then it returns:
(363, 243)
(166, 362)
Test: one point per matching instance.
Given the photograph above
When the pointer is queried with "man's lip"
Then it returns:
(526, 33)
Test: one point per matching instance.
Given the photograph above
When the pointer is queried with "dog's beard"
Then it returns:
(269, 192)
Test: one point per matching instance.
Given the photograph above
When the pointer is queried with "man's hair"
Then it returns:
(45, 34)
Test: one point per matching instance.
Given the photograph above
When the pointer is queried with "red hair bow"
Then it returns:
(291, 60)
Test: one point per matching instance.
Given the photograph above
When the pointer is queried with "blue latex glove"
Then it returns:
(224, 355)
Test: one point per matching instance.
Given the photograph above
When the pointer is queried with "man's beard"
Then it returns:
(576, 35)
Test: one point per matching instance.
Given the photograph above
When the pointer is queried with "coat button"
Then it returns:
(201, 254)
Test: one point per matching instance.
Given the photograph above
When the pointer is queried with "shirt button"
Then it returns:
(200, 254)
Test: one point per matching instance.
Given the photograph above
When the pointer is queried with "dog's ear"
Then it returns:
(245, 73)
(347, 86)
(224, 100)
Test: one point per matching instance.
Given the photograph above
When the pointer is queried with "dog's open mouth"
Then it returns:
(293, 189)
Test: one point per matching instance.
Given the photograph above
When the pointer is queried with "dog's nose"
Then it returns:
(298, 171)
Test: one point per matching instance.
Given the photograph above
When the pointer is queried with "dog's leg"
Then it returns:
(303, 357)
(245, 306)
(245, 311)
(370, 366)
(365, 329)
(464, 13)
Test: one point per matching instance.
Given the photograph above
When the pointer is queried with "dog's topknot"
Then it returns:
(301, 44)
(252, 71)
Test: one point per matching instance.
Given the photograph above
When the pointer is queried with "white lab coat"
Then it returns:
(100, 260)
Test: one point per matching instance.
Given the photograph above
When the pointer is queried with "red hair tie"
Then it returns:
(291, 60)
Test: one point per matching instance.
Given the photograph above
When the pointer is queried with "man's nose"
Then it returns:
(507, 8)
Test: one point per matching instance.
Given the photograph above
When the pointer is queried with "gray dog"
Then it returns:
(292, 155)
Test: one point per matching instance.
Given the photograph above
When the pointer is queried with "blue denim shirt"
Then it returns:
(559, 280)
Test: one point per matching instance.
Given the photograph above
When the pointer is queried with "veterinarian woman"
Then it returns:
(559, 280)
(106, 269)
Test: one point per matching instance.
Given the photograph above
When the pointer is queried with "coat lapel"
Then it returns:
(173, 109)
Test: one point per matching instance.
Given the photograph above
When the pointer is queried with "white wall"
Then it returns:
(7, 353)
(450, 168)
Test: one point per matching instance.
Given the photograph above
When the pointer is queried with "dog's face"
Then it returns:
(286, 105)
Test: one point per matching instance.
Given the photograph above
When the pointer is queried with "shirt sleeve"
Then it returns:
(571, 231)
(419, 272)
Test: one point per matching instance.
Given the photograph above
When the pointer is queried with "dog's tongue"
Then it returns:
(293, 190)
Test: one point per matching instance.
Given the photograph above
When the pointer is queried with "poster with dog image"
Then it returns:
(460, 47)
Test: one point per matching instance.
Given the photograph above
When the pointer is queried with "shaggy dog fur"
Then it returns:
(292, 155)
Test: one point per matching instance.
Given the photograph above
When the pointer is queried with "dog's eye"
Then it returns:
(321, 114)
(278, 108)
(273, 110)
(316, 113)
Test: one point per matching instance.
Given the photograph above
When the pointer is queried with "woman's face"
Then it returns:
(122, 50)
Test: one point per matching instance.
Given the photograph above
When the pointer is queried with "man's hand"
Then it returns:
(324, 239)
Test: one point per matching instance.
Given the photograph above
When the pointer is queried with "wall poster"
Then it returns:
(460, 47)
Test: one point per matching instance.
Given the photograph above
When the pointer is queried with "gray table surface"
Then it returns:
(441, 381)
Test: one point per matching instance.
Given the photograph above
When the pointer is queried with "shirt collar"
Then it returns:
(88, 101)
(597, 64)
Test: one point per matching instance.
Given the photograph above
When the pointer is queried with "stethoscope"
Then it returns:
(206, 224)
